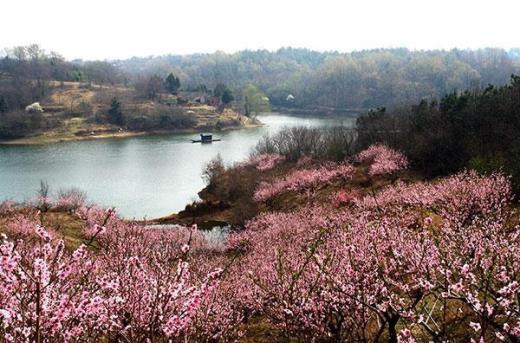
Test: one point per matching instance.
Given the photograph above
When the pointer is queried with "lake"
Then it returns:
(150, 176)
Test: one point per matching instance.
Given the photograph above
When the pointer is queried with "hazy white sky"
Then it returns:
(99, 29)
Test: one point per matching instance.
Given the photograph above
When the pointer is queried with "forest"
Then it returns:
(470, 129)
(290, 77)
(363, 79)
(249, 82)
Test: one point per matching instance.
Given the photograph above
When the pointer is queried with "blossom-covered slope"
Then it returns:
(394, 261)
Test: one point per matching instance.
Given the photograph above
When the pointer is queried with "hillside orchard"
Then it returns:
(410, 262)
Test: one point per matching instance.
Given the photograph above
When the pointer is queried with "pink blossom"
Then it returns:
(344, 197)
(376, 263)
(475, 326)
(100, 293)
(264, 161)
(382, 159)
(304, 179)
(42, 233)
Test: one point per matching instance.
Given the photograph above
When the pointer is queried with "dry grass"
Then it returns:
(65, 101)
(259, 330)
(67, 226)
(70, 96)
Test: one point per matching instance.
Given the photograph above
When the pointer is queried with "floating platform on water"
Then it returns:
(201, 141)
(205, 138)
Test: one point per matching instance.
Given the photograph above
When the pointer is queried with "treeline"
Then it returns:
(365, 79)
(28, 73)
(473, 129)
(250, 81)
(298, 78)
(336, 143)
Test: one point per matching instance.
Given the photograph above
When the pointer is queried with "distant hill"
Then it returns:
(363, 79)
(291, 78)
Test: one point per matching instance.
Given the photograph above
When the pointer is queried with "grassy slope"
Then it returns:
(69, 96)
(66, 225)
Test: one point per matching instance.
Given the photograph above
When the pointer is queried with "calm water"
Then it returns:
(141, 176)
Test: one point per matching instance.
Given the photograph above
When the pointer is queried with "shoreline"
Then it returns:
(43, 139)
(50, 138)
(319, 111)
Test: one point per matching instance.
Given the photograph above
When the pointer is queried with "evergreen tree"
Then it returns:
(115, 114)
(172, 83)
(219, 89)
(227, 96)
(3, 104)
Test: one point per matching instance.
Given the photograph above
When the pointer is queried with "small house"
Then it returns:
(206, 138)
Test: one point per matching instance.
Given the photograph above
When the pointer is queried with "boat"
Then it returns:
(205, 138)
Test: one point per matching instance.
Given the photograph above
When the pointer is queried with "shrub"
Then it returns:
(17, 124)
(336, 143)
(164, 118)
(212, 171)
(70, 199)
(85, 108)
(233, 186)
(303, 180)
(43, 201)
(264, 162)
(382, 159)
(7, 207)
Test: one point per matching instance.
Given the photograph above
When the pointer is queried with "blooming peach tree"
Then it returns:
(135, 285)
(382, 159)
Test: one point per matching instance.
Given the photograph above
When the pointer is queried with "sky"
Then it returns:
(113, 29)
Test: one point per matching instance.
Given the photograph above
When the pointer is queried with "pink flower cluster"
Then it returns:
(382, 159)
(429, 261)
(22, 226)
(303, 179)
(7, 207)
(304, 161)
(136, 285)
(412, 263)
(70, 200)
(463, 195)
(344, 197)
(264, 161)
